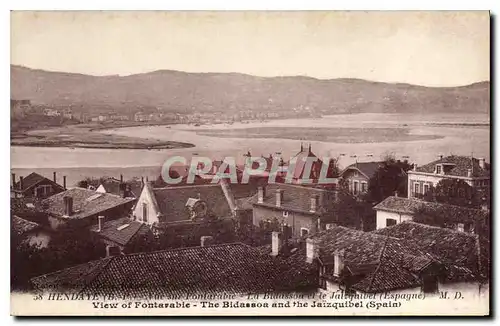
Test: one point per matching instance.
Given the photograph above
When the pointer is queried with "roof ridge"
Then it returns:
(190, 186)
(186, 248)
(436, 227)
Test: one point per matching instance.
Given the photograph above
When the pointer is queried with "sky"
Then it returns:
(424, 48)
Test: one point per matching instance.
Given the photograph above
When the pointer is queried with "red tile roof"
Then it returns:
(21, 226)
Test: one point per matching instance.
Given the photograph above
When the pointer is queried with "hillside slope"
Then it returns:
(179, 91)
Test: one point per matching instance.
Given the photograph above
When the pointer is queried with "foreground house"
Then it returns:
(35, 185)
(121, 235)
(408, 257)
(231, 269)
(474, 171)
(171, 204)
(394, 210)
(303, 209)
(81, 207)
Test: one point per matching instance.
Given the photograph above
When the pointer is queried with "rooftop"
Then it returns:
(461, 165)
(451, 213)
(395, 257)
(121, 231)
(457, 251)
(32, 180)
(85, 202)
(296, 197)
(171, 201)
(21, 226)
(368, 169)
(227, 268)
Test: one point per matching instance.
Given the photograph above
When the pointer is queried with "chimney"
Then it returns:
(13, 180)
(314, 203)
(311, 250)
(279, 197)
(64, 182)
(276, 243)
(441, 156)
(469, 173)
(338, 262)
(396, 193)
(21, 182)
(121, 178)
(415, 165)
(100, 220)
(142, 181)
(482, 163)
(68, 205)
(206, 240)
(261, 193)
(54, 177)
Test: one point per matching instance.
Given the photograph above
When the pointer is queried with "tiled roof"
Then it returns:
(367, 168)
(228, 268)
(461, 166)
(381, 263)
(456, 251)
(21, 226)
(115, 231)
(297, 197)
(450, 213)
(33, 179)
(85, 202)
(171, 201)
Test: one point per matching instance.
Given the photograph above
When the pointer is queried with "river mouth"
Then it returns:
(332, 135)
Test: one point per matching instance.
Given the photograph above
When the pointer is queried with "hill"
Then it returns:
(180, 92)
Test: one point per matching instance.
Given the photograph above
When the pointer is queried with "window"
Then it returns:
(43, 190)
(390, 221)
(417, 188)
(426, 189)
(304, 232)
(438, 169)
(364, 187)
(461, 227)
(355, 187)
(144, 212)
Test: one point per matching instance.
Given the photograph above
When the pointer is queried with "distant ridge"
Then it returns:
(180, 91)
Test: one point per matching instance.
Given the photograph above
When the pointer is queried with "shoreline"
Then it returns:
(166, 145)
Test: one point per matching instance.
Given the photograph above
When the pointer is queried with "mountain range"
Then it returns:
(178, 91)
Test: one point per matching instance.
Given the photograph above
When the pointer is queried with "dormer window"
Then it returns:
(438, 169)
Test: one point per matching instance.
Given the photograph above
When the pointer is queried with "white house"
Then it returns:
(475, 172)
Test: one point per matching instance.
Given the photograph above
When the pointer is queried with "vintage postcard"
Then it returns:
(250, 163)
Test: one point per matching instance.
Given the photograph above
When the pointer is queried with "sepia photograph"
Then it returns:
(250, 163)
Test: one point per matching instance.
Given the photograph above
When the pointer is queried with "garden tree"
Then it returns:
(389, 178)
(352, 211)
(160, 183)
(94, 182)
(456, 192)
(71, 246)
(26, 261)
